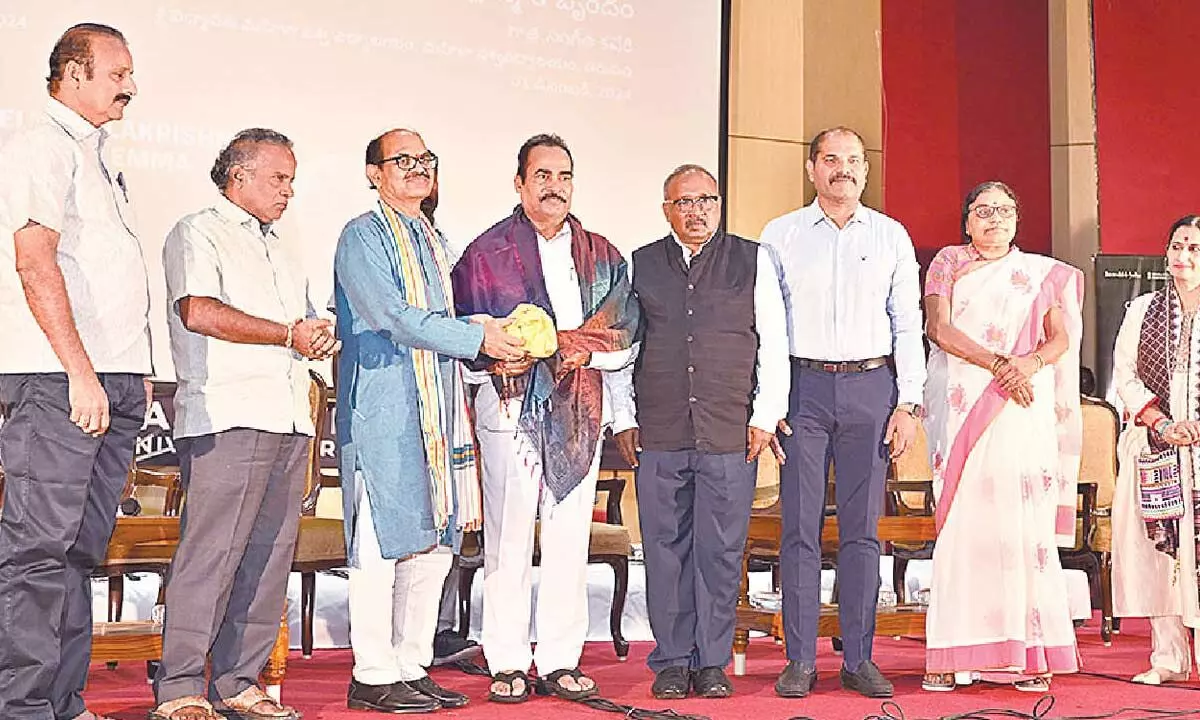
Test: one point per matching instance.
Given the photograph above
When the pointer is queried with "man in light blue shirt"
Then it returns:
(851, 288)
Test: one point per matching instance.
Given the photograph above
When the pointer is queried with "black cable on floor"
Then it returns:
(636, 713)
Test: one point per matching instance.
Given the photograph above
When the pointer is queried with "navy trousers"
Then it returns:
(838, 417)
(695, 511)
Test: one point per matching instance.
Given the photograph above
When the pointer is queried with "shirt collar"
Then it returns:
(563, 232)
(72, 122)
(238, 215)
(815, 214)
(688, 255)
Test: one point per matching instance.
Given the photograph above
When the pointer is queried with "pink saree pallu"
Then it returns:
(1004, 478)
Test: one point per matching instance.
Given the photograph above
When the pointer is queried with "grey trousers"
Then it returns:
(839, 417)
(60, 504)
(448, 610)
(228, 582)
(695, 511)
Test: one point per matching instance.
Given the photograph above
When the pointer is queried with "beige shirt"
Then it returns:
(56, 174)
(222, 252)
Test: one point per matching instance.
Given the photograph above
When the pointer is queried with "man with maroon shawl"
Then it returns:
(540, 422)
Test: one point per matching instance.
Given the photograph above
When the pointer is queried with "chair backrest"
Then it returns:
(1098, 461)
(150, 485)
(318, 405)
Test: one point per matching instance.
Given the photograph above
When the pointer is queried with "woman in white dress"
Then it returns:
(1157, 375)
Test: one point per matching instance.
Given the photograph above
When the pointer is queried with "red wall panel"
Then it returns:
(1147, 110)
(967, 98)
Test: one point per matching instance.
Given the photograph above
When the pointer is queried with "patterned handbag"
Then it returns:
(1159, 481)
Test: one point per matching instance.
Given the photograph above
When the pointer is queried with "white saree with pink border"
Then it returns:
(1004, 478)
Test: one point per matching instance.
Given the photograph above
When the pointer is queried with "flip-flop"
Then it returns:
(508, 678)
(549, 685)
(167, 710)
(240, 706)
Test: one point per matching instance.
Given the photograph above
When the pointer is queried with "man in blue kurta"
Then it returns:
(407, 461)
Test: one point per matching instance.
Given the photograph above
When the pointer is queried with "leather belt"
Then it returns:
(846, 366)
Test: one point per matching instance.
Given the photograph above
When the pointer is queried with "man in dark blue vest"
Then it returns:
(711, 384)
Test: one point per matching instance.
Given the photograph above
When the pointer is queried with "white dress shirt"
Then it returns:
(222, 252)
(771, 366)
(55, 174)
(851, 293)
(562, 285)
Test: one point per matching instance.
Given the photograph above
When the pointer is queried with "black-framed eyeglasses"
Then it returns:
(404, 161)
(983, 212)
(704, 203)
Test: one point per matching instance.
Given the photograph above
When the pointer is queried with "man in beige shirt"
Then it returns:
(75, 331)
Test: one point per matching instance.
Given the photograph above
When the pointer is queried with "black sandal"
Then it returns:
(549, 685)
(508, 678)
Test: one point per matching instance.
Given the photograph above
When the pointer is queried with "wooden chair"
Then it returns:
(609, 544)
(320, 543)
(1093, 526)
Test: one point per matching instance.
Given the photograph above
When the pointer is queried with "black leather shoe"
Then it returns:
(712, 682)
(397, 698)
(867, 680)
(671, 683)
(447, 698)
(796, 681)
(450, 647)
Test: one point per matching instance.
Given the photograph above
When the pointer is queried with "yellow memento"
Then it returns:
(535, 328)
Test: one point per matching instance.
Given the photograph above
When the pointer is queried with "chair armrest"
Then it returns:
(614, 487)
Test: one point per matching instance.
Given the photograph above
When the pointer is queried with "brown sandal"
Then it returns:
(242, 706)
(199, 709)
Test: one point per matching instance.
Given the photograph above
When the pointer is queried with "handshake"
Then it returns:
(313, 338)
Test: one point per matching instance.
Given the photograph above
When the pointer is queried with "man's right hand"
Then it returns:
(498, 343)
(512, 369)
(629, 443)
(312, 338)
(89, 403)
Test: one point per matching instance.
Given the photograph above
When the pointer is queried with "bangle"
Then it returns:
(1161, 425)
(1041, 362)
(287, 341)
(998, 362)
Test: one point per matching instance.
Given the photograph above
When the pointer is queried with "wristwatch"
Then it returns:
(912, 409)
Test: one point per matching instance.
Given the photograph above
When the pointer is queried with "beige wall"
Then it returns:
(1075, 225)
(797, 66)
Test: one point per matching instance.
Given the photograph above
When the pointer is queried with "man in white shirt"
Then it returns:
(75, 334)
(858, 374)
(712, 381)
(242, 327)
(540, 423)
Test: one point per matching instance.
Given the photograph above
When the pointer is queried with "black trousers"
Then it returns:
(60, 503)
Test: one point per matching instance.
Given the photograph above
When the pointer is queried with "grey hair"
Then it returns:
(684, 170)
(814, 148)
(241, 150)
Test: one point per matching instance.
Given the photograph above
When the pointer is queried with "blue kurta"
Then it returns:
(378, 419)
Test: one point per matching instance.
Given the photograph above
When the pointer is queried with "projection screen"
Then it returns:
(633, 86)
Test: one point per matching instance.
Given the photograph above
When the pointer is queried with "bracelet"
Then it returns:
(998, 362)
(287, 341)
(1041, 362)
(1161, 425)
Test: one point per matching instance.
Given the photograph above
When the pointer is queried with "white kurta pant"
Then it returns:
(393, 606)
(512, 497)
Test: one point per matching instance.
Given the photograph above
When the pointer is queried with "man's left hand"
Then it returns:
(757, 440)
(901, 432)
(574, 362)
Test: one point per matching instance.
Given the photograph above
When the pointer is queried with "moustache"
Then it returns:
(843, 176)
(417, 174)
(123, 97)
(553, 195)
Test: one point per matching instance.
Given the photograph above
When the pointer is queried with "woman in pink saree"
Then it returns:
(1004, 431)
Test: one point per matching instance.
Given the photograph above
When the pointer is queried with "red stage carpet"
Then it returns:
(317, 687)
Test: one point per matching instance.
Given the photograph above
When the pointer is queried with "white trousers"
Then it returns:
(393, 607)
(512, 497)
(1171, 644)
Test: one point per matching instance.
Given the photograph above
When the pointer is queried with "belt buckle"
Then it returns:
(831, 367)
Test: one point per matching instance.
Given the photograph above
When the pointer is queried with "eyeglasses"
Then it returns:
(983, 212)
(405, 161)
(704, 203)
